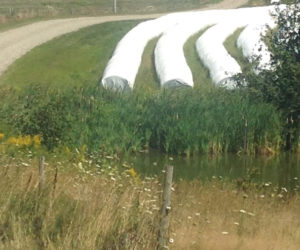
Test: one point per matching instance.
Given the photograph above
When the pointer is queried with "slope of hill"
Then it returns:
(17, 42)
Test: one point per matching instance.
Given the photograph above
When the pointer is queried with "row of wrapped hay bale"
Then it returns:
(171, 66)
(222, 66)
(252, 45)
(174, 30)
(122, 68)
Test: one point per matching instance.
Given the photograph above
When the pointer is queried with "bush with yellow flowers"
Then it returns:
(24, 140)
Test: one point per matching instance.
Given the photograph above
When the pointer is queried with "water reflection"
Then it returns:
(282, 169)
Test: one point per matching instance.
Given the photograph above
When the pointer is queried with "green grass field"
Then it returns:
(234, 51)
(146, 78)
(200, 73)
(75, 59)
(79, 59)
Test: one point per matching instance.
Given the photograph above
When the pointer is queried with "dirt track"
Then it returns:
(17, 42)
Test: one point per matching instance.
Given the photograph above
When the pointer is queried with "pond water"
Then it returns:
(282, 170)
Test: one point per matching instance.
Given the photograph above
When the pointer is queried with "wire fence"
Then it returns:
(97, 7)
(10, 11)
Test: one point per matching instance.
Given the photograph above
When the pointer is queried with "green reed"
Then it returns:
(174, 121)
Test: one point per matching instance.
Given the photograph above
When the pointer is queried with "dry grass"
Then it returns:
(86, 210)
(92, 207)
(217, 216)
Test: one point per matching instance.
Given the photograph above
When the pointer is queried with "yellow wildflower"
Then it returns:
(1, 136)
(26, 140)
(83, 148)
(36, 140)
(20, 140)
(12, 140)
(132, 172)
(68, 150)
(2, 149)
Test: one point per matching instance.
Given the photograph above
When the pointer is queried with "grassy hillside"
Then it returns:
(234, 51)
(200, 73)
(74, 59)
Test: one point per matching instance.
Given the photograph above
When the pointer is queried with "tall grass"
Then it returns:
(186, 121)
(93, 206)
(76, 210)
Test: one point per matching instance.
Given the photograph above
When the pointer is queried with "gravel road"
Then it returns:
(17, 42)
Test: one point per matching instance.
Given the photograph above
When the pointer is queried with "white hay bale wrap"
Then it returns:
(170, 62)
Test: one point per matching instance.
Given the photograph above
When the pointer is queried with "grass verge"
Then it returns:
(76, 59)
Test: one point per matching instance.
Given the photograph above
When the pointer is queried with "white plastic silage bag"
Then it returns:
(170, 63)
(250, 40)
(222, 66)
(122, 68)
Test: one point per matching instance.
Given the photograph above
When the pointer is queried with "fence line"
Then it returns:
(166, 208)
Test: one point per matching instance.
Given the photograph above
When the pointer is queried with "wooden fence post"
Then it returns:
(165, 209)
(115, 6)
(245, 135)
(11, 11)
(42, 173)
